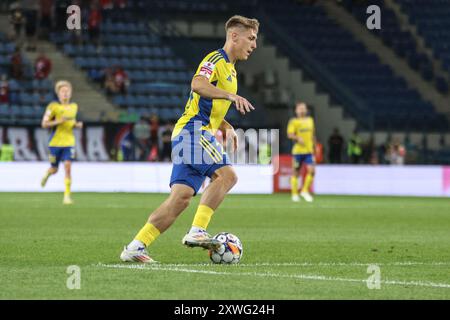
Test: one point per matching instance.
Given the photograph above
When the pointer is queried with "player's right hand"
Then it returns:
(300, 140)
(242, 104)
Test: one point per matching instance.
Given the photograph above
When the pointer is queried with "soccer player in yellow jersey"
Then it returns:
(195, 152)
(60, 117)
(301, 130)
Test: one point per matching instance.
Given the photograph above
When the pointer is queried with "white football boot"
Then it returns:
(138, 255)
(67, 200)
(295, 198)
(307, 196)
(200, 239)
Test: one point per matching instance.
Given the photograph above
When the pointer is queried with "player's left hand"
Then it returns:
(79, 124)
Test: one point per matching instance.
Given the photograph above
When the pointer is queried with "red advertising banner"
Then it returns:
(281, 178)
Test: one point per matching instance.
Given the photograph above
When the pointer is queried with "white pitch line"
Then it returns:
(161, 267)
(309, 264)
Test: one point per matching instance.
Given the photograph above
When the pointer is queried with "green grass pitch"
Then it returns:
(291, 250)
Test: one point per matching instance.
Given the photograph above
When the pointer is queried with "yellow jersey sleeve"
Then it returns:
(291, 128)
(210, 66)
(50, 111)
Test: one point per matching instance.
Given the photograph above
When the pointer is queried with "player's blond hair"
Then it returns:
(62, 83)
(244, 22)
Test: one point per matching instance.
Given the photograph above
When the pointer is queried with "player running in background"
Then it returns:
(61, 118)
(196, 154)
(301, 130)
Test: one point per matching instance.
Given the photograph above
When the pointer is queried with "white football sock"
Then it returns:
(135, 244)
(196, 230)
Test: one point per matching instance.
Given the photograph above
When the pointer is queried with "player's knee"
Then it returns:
(230, 178)
(181, 200)
(184, 201)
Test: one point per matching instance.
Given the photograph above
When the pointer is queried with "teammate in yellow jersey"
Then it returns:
(301, 130)
(195, 152)
(60, 117)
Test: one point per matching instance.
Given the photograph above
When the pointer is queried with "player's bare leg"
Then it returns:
(222, 181)
(158, 222)
(178, 200)
(294, 185)
(310, 171)
(67, 182)
(50, 171)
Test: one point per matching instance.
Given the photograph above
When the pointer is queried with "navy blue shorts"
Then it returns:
(58, 154)
(196, 156)
(299, 159)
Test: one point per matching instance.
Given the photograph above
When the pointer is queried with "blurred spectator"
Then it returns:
(335, 146)
(110, 84)
(94, 21)
(354, 149)
(30, 10)
(166, 149)
(381, 151)
(141, 132)
(116, 81)
(6, 151)
(121, 80)
(17, 19)
(154, 138)
(16, 67)
(4, 89)
(368, 151)
(46, 11)
(42, 66)
(395, 154)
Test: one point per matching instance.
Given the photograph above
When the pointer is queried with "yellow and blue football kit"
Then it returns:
(302, 152)
(196, 154)
(62, 140)
(303, 128)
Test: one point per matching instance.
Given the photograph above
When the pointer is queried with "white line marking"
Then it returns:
(162, 267)
(309, 264)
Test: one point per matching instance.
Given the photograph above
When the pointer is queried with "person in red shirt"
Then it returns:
(42, 66)
(4, 89)
(121, 80)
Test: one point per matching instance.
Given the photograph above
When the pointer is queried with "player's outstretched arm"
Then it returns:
(204, 88)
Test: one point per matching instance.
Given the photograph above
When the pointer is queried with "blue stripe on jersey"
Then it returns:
(204, 112)
(224, 54)
(52, 134)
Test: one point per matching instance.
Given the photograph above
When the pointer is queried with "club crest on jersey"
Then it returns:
(229, 79)
(207, 69)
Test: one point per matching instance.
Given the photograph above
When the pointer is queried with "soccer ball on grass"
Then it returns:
(229, 252)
